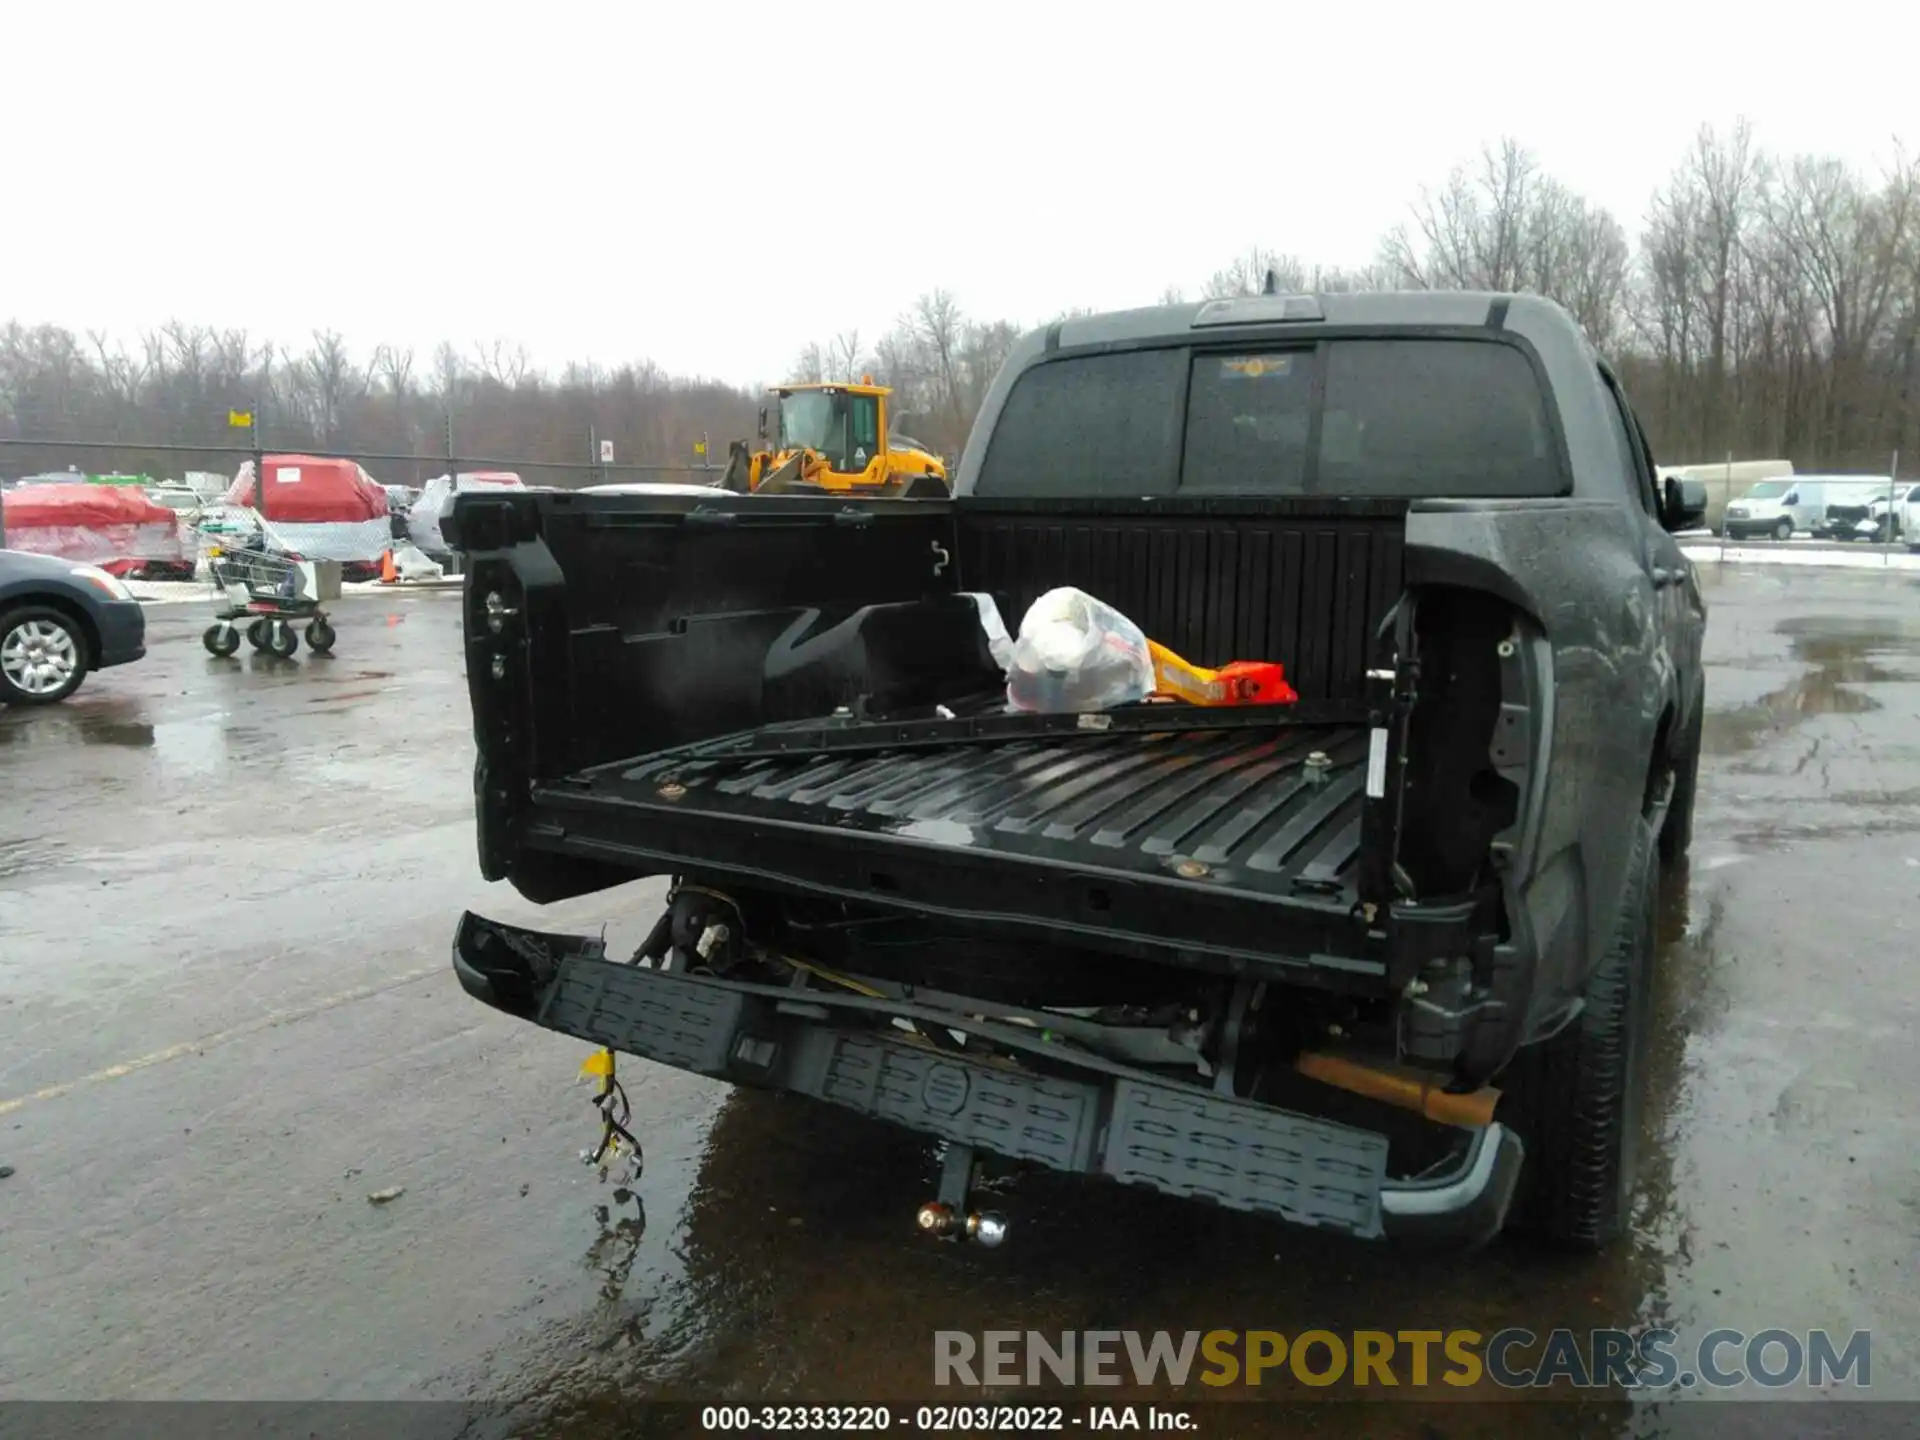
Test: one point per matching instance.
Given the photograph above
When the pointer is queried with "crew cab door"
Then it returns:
(1679, 609)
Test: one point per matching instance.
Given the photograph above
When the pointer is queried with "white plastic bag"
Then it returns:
(1077, 654)
(413, 565)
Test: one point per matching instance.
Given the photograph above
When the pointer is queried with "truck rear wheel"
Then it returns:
(1576, 1099)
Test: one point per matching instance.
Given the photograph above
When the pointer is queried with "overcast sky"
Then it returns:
(583, 178)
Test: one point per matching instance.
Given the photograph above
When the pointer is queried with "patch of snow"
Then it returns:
(1837, 557)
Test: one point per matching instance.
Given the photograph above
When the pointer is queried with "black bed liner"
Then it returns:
(1198, 839)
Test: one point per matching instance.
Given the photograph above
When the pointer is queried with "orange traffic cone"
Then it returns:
(387, 572)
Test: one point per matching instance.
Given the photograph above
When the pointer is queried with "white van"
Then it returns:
(1772, 507)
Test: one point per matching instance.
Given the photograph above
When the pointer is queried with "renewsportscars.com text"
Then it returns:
(1411, 1359)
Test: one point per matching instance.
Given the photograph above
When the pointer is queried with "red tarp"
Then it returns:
(114, 525)
(307, 490)
(88, 507)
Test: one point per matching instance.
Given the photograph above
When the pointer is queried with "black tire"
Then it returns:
(1676, 836)
(220, 639)
(926, 487)
(320, 636)
(257, 634)
(281, 640)
(1576, 1099)
(31, 637)
(1783, 530)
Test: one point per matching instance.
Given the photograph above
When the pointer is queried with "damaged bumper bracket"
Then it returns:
(1086, 1115)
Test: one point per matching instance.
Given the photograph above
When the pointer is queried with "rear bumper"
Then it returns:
(1081, 1113)
(123, 632)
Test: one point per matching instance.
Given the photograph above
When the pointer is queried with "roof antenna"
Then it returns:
(1271, 286)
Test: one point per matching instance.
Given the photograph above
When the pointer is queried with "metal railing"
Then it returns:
(449, 462)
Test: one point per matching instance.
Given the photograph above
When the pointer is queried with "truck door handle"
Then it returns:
(1663, 577)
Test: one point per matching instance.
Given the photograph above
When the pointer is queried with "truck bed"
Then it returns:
(1197, 839)
(610, 709)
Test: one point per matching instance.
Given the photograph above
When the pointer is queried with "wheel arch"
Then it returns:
(1659, 757)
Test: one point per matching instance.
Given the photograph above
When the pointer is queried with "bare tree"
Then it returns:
(503, 362)
(811, 365)
(123, 374)
(844, 355)
(936, 323)
(394, 366)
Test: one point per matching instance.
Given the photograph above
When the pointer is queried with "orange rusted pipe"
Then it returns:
(1409, 1092)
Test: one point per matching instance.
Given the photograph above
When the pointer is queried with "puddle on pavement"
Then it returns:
(1838, 656)
(77, 722)
(136, 733)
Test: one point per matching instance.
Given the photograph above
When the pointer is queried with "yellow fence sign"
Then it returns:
(239, 419)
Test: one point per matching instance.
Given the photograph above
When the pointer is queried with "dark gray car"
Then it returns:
(59, 620)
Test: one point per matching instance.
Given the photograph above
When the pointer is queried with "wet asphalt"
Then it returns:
(227, 1017)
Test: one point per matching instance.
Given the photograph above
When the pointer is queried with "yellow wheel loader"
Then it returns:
(834, 436)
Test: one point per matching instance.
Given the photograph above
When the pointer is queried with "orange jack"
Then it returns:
(1244, 682)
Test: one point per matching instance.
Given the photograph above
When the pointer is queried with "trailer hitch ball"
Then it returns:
(988, 1228)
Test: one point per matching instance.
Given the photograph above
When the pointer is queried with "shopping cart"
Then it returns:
(272, 593)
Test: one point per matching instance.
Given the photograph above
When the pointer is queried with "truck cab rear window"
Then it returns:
(1094, 425)
(1403, 417)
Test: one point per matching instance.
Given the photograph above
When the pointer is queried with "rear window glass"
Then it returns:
(1396, 418)
(1106, 425)
(1391, 417)
(1434, 417)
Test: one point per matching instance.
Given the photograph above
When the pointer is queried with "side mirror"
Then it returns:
(763, 422)
(1684, 505)
(1792, 497)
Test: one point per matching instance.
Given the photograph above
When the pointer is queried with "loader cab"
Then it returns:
(843, 424)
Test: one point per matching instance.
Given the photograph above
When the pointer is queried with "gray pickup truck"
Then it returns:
(1376, 961)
